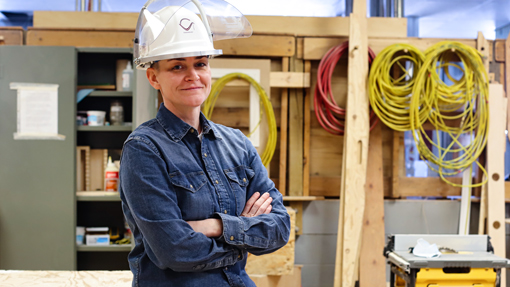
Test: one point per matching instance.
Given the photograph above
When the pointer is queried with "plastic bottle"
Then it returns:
(127, 78)
(116, 113)
(111, 176)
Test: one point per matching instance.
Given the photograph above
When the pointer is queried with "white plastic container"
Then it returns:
(127, 78)
(80, 234)
(95, 118)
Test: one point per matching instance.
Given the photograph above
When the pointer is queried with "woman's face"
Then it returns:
(184, 83)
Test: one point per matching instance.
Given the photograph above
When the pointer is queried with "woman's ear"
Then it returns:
(153, 80)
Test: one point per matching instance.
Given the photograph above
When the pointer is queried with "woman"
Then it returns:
(195, 193)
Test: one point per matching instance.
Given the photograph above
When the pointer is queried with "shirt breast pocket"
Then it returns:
(194, 198)
(239, 178)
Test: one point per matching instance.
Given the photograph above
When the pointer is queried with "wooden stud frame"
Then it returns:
(352, 198)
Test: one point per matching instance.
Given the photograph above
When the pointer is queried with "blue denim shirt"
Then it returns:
(168, 176)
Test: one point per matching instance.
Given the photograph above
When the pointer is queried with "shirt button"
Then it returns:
(191, 186)
(226, 268)
(216, 182)
(205, 154)
(231, 237)
(225, 211)
(239, 256)
(192, 130)
(244, 179)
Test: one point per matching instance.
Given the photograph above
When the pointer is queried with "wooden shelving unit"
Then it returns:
(110, 94)
(97, 196)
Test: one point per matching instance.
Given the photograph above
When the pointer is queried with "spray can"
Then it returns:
(111, 176)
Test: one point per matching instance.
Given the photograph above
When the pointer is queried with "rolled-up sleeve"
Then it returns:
(264, 233)
(169, 241)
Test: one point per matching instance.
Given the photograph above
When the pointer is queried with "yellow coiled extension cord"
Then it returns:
(208, 107)
(466, 101)
(390, 98)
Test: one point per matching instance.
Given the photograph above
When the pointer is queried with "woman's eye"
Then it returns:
(177, 67)
(201, 64)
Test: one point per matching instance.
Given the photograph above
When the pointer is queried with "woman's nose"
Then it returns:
(192, 75)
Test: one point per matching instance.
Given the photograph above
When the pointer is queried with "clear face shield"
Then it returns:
(184, 28)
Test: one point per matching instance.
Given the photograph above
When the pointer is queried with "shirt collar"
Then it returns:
(178, 128)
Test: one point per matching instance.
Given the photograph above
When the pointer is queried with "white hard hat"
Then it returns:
(169, 29)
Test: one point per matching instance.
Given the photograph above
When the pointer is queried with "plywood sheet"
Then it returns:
(66, 278)
(98, 161)
(289, 280)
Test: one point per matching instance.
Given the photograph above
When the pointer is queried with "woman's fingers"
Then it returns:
(268, 209)
(257, 205)
(250, 203)
(264, 206)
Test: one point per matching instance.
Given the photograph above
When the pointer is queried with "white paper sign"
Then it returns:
(37, 111)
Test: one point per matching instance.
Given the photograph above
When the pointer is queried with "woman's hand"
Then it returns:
(257, 205)
(213, 227)
(210, 227)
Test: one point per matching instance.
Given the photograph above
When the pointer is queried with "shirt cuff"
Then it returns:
(233, 229)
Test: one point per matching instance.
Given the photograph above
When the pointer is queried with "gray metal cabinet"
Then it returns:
(37, 177)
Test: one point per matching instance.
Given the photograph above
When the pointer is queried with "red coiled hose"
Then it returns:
(328, 113)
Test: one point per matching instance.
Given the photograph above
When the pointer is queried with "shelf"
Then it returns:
(105, 128)
(110, 94)
(104, 248)
(104, 50)
(97, 196)
(303, 198)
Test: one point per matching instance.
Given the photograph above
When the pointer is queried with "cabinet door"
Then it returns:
(37, 177)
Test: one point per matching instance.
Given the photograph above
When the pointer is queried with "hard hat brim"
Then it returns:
(144, 63)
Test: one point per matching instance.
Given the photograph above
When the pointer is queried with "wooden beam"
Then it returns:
(284, 118)
(355, 153)
(315, 48)
(11, 36)
(278, 80)
(272, 25)
(306, 139)
(496, 168)
(303, 198)
(482, 45)
(372, 261)
(507, 80)
(396, 163)
(238, 118)
(483, 209)
(80, 37)
(256, 45)
(87, 20)
(499, 51)
(259, 45)
(290, 80)
(296, 135)
(408, 186)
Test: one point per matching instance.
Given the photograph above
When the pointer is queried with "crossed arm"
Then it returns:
(213, 227)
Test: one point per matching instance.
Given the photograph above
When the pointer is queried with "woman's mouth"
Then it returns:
(192, 88)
